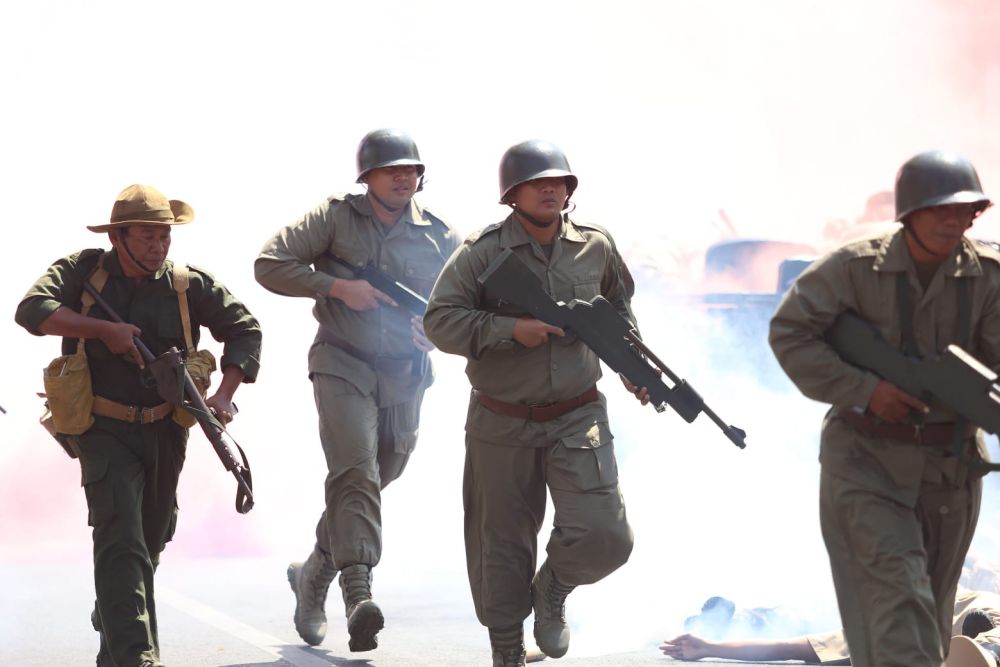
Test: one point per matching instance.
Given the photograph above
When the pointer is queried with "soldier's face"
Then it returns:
(542, 198)
(149, 244)
(394, 185)
(941, 228)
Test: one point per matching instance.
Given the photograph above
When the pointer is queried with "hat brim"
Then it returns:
(182, 212)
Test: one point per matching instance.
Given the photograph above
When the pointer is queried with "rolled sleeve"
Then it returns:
(59, 286)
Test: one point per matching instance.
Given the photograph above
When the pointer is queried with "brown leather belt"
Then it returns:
(387, 365)
(535, 413)
(932, 435)
(133, 414)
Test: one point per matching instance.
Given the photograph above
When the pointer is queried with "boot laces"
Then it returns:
(319, 585)
(512, 657)
(555, 599)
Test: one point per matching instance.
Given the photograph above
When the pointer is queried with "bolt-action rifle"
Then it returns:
(174, 384)
(956, 379)
(607, 333)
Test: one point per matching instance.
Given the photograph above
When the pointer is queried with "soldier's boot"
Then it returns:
(508, 646)
(364, 618)
(103, 654)
(310, 582)
(548, 598)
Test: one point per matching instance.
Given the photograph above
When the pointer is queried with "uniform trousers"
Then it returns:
(366, 448)
(896, 567)
(505, 496)
(130, 474)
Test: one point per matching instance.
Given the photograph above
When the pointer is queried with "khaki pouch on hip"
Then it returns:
(200, 365)
(68, 393)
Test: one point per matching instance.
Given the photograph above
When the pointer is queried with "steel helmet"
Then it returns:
(533, 159)
(387, 148)
(934, 178)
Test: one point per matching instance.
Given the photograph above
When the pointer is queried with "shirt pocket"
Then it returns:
(352, 252)
(420, 275)
(99, 490)
(169, 329)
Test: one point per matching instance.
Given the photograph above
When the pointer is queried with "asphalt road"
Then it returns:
(237, 613)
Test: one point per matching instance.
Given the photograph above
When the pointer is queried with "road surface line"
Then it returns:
(265, 642)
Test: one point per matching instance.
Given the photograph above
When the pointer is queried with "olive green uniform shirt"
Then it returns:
(150, 304)
(861, 277)
(462, 320)
(297, 262)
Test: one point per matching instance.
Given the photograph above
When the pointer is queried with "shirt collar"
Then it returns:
(513, 232)
(893, 255)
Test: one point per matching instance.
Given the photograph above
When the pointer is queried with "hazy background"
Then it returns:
(676, 115)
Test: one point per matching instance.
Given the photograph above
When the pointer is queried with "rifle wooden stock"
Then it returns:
(601, 328)
(193, 402)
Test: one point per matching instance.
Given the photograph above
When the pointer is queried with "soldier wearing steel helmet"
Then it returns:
(535, 417)
(131, 444)
(367, 382)
(897, 509)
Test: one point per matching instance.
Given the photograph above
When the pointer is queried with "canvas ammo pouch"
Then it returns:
(69, 395)
(199, 363)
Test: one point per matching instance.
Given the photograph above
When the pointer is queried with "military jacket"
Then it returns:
(862, 277)
(297, 262)
(150, 304)
(462, 319)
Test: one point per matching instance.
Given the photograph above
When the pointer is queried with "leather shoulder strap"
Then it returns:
(182, 279)
(98, 279)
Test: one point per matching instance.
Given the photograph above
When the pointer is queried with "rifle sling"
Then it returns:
(387, 365)
(960, 430)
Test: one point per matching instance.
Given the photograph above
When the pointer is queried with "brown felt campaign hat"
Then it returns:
(145, 205)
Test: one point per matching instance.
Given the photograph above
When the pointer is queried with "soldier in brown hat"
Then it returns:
(897, 508)
(368, 364)
(130, 443)
(536, 420)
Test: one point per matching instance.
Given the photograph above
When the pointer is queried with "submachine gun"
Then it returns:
(395, 290)
(174, 384)
(601, 328)
(956, 379)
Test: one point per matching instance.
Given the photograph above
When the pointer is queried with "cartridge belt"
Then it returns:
(932, 435)
(535, 413)
(133, 414)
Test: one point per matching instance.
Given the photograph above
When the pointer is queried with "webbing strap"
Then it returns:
(98, 279)
(182, 278)
(905, 301)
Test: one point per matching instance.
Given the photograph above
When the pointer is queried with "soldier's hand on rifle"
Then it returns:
(530, 332)
(892, 404)
(222, 407)
(641, 393)
(118, 338)
(419, 337)
(358, 294)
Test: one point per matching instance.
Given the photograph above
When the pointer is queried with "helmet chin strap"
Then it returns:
(908, 228)
(383, 204)
(541, 224)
